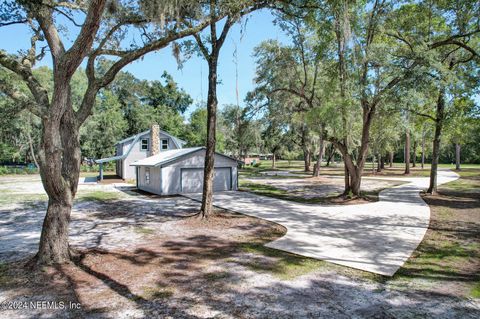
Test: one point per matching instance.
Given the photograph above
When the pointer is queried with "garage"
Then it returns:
(192, 180)
(181, 171)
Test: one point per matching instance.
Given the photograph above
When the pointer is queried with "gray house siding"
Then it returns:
(134, 155)
(154, 186)
(170, 175)
(129, 172)
(119, 164)
(192, 179)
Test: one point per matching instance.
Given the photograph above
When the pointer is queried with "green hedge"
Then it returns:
(110, 166)
(5, 170)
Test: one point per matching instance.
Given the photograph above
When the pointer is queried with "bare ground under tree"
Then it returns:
(155, 261)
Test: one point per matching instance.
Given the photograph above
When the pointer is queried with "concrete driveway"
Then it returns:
(376, 237)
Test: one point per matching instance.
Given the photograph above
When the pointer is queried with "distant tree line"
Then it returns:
(124, 108)
(130, 105)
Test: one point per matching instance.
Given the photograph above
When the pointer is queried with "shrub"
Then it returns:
(5, 170)
(94, 168)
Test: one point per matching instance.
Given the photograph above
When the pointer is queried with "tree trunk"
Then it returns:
(274, 160)
(353, 172)
(207, 196)
(32, 152)
(59, 161)
(414, 157)
(391, 159)
(316, 173)
(423, 148)
(357, 170)
(307, 159)
(432, 189)
(349, 169)
(382, 162)
(457, 156)
(331, 153)
(306, 151)
(379, 164)
(356, 181)
(54, 247)
(347, 188)
(342, 79)
(407, 151)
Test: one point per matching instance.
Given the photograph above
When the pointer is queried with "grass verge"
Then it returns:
(448, 258)
(282, 265)
(97, 196)
(334, 198)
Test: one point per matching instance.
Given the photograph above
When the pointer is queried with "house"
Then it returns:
(138, 147)
(181, 171)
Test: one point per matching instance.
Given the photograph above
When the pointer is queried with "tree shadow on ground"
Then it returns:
(449, 255)
(214, 276)
(223, 275)
(207, 277)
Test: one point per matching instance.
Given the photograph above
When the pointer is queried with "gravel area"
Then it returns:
(145, 259)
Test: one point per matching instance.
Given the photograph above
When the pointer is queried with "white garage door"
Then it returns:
(192, 180)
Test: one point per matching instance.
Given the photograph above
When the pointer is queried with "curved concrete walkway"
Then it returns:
(376, 237)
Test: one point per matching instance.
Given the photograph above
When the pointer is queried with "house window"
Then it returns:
(144, 144)
(147, 175)
(164, 144)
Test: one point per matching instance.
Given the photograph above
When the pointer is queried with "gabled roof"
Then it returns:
(166, 157)
(124, 155)
(178, 142)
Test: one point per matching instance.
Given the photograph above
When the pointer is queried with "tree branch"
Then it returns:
(74, 56)
(422, 114)
(291, 91)
(4, 24)
(454, 42)
(24, 71)
(21, 100)
(44, 17)
(128, 57)
(398, 36)
(201, 46)
(393, 83)
(230, 21)
(452, 38)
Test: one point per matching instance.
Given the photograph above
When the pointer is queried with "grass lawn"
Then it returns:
(448, 259)
(271, 191)
(96, 195)
(336, 169)
(94, 173)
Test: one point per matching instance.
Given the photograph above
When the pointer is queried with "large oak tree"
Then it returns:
(100, 28)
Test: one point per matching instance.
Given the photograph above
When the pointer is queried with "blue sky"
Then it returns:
(193, 76)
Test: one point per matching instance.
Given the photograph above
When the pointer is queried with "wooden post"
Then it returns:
(101, 172)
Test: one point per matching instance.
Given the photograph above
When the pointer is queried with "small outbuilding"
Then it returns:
(181, 171)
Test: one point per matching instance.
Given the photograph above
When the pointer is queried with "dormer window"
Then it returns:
(144, 144)
(164, 144)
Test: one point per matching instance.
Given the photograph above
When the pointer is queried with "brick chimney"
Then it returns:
(154, 139)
